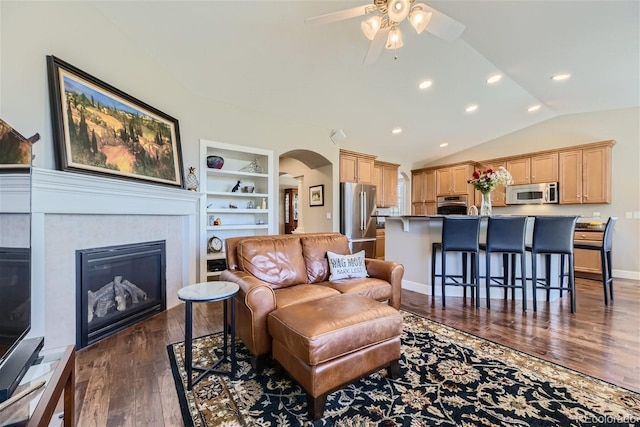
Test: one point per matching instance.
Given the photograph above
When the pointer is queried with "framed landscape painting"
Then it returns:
(99, 129)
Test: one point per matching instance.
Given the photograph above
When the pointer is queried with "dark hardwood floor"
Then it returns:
(126, 380)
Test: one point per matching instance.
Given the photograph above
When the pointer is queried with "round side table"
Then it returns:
(209, 292)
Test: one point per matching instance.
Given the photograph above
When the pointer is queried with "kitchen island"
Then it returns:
(409, 239)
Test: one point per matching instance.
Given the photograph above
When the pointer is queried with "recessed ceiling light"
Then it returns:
(495, 78)
(444, 144)
(471, 108)
(396, 131)
(533, 108)
(561, 76)
(425, 84)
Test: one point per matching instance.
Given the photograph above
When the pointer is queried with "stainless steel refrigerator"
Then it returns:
(357, 204)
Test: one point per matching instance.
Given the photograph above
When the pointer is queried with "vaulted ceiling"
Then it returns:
(261, 55)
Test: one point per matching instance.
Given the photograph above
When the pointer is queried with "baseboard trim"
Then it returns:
(626, 274)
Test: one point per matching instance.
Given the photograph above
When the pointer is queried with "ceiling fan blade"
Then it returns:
(375, 48)
(442, 25)
(339, 16)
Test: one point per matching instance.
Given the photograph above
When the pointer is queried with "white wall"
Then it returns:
(77, 33)
(623, 126)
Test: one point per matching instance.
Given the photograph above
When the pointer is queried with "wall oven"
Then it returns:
(452, 205)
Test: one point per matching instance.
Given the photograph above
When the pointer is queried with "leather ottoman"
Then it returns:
(328, 343)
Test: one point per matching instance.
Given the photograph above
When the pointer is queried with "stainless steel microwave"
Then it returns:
(532, 194)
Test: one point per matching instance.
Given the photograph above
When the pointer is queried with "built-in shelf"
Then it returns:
(217, 196)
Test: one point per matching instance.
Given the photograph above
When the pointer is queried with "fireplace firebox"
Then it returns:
(118, 286)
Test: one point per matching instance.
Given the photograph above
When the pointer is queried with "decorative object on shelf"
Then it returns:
(316, 195)
(15, 149)
(263, 204)
(250, 204)
(214, 245)
(212, 220)
(192, 180)
(248, 189)
(232, 206)
(485, 182)
(253, 167)
(236, 187)
(215, 162)
(99, 129)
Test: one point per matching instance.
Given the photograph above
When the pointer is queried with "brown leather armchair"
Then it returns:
(280, 270)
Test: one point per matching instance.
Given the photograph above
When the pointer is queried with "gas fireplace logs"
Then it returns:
(113, 294)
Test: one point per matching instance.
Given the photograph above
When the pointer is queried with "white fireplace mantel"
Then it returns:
(73, 193)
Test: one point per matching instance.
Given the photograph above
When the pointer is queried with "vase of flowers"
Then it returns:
(486, 181)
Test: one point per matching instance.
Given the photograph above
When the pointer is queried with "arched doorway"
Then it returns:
(301, 169)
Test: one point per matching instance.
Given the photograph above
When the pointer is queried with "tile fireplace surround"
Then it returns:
(75, 211)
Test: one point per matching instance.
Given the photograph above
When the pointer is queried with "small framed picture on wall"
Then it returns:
(316, 195)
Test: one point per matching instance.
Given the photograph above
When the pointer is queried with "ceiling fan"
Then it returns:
(383, 27)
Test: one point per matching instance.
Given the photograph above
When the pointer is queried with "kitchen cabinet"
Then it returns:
(585, 175)
(453, 180)
(544, 168)
(520, 170)
(533, 169)
(356, 167)
(380, 243)
(385, 178)
(237, 200)
(426, 208)
(423, 192)
(585, 260)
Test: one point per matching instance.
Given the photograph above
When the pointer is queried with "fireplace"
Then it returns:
(118, 286)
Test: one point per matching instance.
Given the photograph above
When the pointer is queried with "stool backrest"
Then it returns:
(460, 233)
(553, 234)
(607, 239)
(506, 234)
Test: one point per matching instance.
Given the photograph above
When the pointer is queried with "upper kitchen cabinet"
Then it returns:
(385, 178)
(544, 168)
(585, 174)
(534, 169)
(356, 167)
(452, 180)
(520, 170)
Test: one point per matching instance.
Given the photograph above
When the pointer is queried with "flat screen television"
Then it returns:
(16, 354)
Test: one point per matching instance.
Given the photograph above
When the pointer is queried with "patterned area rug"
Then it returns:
(447, 378)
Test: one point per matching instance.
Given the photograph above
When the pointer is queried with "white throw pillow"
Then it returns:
(346, 266)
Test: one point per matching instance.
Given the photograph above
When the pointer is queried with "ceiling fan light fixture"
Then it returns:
(394, 39)
(398, 9)
(419, 19)
(371, 26)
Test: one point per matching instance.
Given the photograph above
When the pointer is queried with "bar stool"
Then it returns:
(459, 234)
(553, 235)
(605, 256)
(506, 235)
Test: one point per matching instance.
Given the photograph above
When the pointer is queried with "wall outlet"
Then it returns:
(628, 215)
(596, 214)
(636, 215)
(328, 215)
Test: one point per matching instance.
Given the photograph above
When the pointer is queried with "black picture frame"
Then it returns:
(316, 195)
(99, 129)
